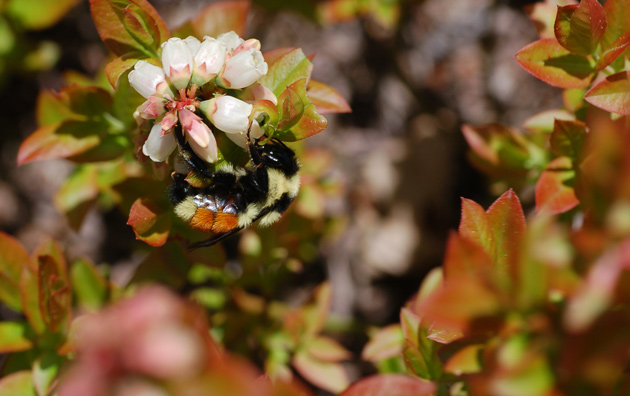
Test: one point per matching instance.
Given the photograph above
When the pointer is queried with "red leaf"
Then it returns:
(549, 61)
(150, 220)
(552, 194)
(109, 18)
(217, 18)
(57, 141)
(465, 258)
(326, 99)
(474, 225)
(617, 16)
(390, 385)
(610, 54)
(13, 258)
(579, 28)
(612, 94)
(30, 299)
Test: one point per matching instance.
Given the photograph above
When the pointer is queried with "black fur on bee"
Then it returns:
(236, 197)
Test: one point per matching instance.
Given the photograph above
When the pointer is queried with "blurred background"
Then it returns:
(412, 71)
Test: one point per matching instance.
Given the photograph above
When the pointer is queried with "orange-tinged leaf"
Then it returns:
(474, 225)
(327, 350)
(465, 361)
(549, 61)
(543, 122)
(316, 315)
(55, 295)
(331, 377)
(612, 94)
(108, 16)
(30, 299)
(77, 195)
(14, 337)
(217, 18)
(568, 138)
(391, 385)
(610, 54)
(150, 219)
(117, 67)
(61, 140)
(326, 99)
(13, 258)
(465, 258)
(543, 15)
(50, 247)
(384, 344)
(618, 21)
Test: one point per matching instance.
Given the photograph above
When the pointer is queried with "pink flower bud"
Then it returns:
(243, 69)
(148, 79)
(177, 62)
(157, 146)
(227, 113)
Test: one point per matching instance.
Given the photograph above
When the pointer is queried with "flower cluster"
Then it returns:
(199, 77)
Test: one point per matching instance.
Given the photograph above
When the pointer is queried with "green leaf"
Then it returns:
(612, 94)
(45, 370)
(14, 337)
(299, 118)
(216, 18)
(390, 385)
(549, 61)
(327, 350)
(326, 375)
(129, 26)
(554, 194)
(55, 296)
(150, 219)
(168, 264)
(465, 361)
(89, 285)
(326, 99)
(384, 344)
(568, 138)
(117, 67)
(286, 70)
(38, 14)
(17, 384)
(77, 195)
(13, 258)
(30, 299)
(579, 28)
(617, 17)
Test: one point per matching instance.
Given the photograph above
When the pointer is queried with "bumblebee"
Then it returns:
(236, 197)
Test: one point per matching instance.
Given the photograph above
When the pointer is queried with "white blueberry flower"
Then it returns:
(255, 132)
(148, 79)
(231, 40)
(243, 69)
(159, 145)
(209, 59)
(177, 61)
(227, 113)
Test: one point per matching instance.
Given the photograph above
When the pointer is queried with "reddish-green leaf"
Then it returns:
(45, 370)
(326, 99)
(327, 350)
(167, 264)
(390, 385)
(299, 118)
(150, 219)
(37, 14)
(474, 225)
(52, 108)
(316, 314)
(549, 61)
(612, 94)
(55, 296)
(568, 138)
(117, 67)
(610, 54)
(13, 337)
(13, 258)
(552, 192)
(286, 70)
(89, 285)
(17, 384)
(579, 28)
(465, 258)
(125, 26)
(543, 15)
(30, 299)
(465, 361)
(617, 17)
(77, 195)
(291, 108)
(384, 344)
(217, 18)
(328, 376)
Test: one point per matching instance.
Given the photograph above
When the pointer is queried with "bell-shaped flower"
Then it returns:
(201, 139)
(159, 145)
(177, 62)
(209, 59)
(227, 113)
(243, 69)
(193, 43)
(231, 40)
(247, 44)
(148, 79)
(257, 92)
(255, 132)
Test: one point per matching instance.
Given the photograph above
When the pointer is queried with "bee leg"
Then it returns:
(188, 155)
(211, 241)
